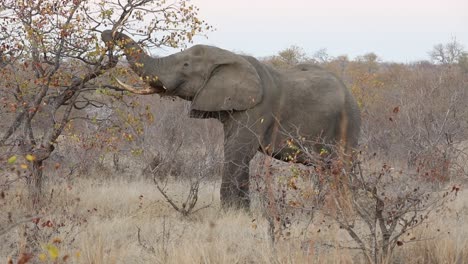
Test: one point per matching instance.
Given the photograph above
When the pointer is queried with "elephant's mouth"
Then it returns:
(178, 87)
(158, 87)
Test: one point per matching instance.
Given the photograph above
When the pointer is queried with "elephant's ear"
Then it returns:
(231, 86)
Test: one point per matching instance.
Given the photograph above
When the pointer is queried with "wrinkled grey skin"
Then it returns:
(260, 107)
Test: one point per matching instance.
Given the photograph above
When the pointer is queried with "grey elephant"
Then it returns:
(261, 108)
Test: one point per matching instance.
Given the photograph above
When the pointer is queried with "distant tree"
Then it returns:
(338, 65)
(321, 56)
(343, 62)
(448, 53)
(369, 57)
(370, 60)
(288, 57)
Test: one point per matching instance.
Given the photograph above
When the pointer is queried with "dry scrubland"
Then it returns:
(100, 203)
(102, 217)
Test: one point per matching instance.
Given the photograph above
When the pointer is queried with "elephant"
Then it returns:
(261, 108)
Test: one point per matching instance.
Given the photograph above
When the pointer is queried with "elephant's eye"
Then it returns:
(186, 64)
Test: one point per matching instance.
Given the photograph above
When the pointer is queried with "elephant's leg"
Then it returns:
(239, 149)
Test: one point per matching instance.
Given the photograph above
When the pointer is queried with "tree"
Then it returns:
(321, 56)
(370, 60)
(288, 57)
(339, 66)
(449, 53)
(51, 58)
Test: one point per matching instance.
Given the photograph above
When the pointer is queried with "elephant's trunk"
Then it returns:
(140, 62)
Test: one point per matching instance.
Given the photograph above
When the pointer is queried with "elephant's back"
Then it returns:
(314, 87)
(313, 101)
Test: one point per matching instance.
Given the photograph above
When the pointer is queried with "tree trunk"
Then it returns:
(35, 183)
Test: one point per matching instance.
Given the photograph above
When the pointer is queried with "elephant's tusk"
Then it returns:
(147, 90)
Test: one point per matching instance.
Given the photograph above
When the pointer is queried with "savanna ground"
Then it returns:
(96, 220)
(131, 179)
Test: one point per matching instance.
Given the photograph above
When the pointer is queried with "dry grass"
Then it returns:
(102, 218)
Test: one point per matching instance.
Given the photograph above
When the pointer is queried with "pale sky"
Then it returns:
(396, 30)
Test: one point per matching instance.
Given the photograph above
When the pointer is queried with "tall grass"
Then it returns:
(117, 221)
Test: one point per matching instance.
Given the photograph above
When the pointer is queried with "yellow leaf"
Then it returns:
(24, 166)
(323, 152)
(12, 159)
(53, 251)
(30, 157)
(42, 257)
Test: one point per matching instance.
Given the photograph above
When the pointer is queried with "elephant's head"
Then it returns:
(213, 79)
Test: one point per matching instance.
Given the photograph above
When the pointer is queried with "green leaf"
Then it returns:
(12, 159)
